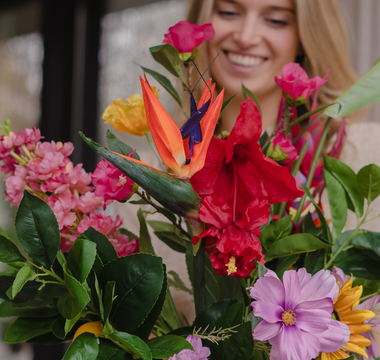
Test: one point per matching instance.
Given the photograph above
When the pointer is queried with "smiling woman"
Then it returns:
(255, 39)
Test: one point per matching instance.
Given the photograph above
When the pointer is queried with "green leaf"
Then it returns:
(139, 202)
(144, 330)
(368, 181)
(314, 261)
(176, 195)
(161, 225)
(132, 344)
(240, 345)
(9, 252)
(118, 146)
(308, 114)
(162, 347)
(7, 310)
(165, 82)
(109, 295)
(130, 234)
(347, 178)
(81, 259)
(248, 93)
(294, 244)
(110, 351)
(37, 230)
(275, 231)
(364, 92)
(263, 139)
(308, 226)
(174, 241)
(84, 347)
(139, 280)
(169, 313)
(177, 283)
(337, 201)
(211, 314)
(23, 329)
(167, 56)
(24, 275)
(104, 247)
(145, 243)
(225, 104)
(75, 298)
(373, 239)
(284, 263)
(231, 317)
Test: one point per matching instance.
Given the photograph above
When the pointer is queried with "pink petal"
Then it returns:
(265, 331)
(336, 336)
(292, 289)
(267, 311)
(269, 289)
(313, 346)
(303, 277)
(292, 345)
(313, 321)
(323, 304)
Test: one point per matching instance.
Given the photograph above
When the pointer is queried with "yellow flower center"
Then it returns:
(289, 317)
(231, 267)
(122, 180)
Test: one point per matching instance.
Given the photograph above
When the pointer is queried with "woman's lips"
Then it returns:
(244, 60)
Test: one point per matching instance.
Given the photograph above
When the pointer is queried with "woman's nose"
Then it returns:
(248, 33)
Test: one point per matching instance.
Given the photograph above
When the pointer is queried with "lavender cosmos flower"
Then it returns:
(372, 304)
(200, 352)
(297, 314)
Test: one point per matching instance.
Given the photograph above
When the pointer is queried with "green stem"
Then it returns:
(306, 128)
(47, 272)
(294, 172)
(369, 296)
(199, 280)
(312, 169)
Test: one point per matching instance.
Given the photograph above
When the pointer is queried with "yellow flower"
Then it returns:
(128, 116)
(344, 306)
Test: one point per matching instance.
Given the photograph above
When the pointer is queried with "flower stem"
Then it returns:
(312, 169)
(199, 280)
(369, 296)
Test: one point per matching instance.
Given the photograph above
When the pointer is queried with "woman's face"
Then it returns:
(254, 39)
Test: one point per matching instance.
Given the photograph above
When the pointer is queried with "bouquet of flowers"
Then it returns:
(271, 276)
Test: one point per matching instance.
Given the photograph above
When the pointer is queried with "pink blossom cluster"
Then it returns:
(45, 170)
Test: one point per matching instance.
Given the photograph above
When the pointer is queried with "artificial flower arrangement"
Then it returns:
(271, 277)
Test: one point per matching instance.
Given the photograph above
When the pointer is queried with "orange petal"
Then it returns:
(207, 94)
(208, 124)
(165, 132)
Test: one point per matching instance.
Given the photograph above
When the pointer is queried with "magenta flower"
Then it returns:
(296, 83)
(286, 145)
(200, 352)
(110, 183)
(297, 314)
(185, 37)
(372, 304)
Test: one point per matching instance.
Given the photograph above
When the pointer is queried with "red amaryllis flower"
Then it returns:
(185, 37)
(234, 244)
(237, 169)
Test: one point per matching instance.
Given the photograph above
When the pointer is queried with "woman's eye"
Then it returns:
(226, 13)
(276, 22)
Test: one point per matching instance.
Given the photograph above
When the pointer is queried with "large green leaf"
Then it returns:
(337, 201)
(364, 92)
(165, 82)
(139, 280)
(211, 314)
(167, 56)
(84, 347)
(275, 231)
(294, 244)
(25, 274)
(132, 344)
(110, 351)
(104, 247)
(240, 345)
(7, 310)
(174, 241)
(118, 146)
(37, 230)
(284, 263)
(75, 298)
(373, 239)
(81, 259)
(231, 317)
(9, 252)
(368, 181)
(145, 243)
(176, 195)
(314, 261)
(347, 178)
(23, 329)
(162, 347)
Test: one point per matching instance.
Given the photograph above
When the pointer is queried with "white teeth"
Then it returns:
(244, 60)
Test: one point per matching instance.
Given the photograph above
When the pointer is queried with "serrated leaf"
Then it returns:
(24, 275)
(37, 230)
(163, 347)
(211, 314)
(104, 247)
(7, 310)
(165, 82)
(118, 146)
(110, 351)
(81, 259)
(368, 181)
(132, 344)
(9, 252)
(139, 279)
(84, 347)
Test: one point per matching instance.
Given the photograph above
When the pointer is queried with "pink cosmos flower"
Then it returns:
(199, 353)
(372, 304)
(185, 37)
(297, 314)
(110, 183)
(15, 186)
(296, 83)
(286, 145)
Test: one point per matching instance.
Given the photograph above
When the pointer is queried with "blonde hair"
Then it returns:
(323, 36)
